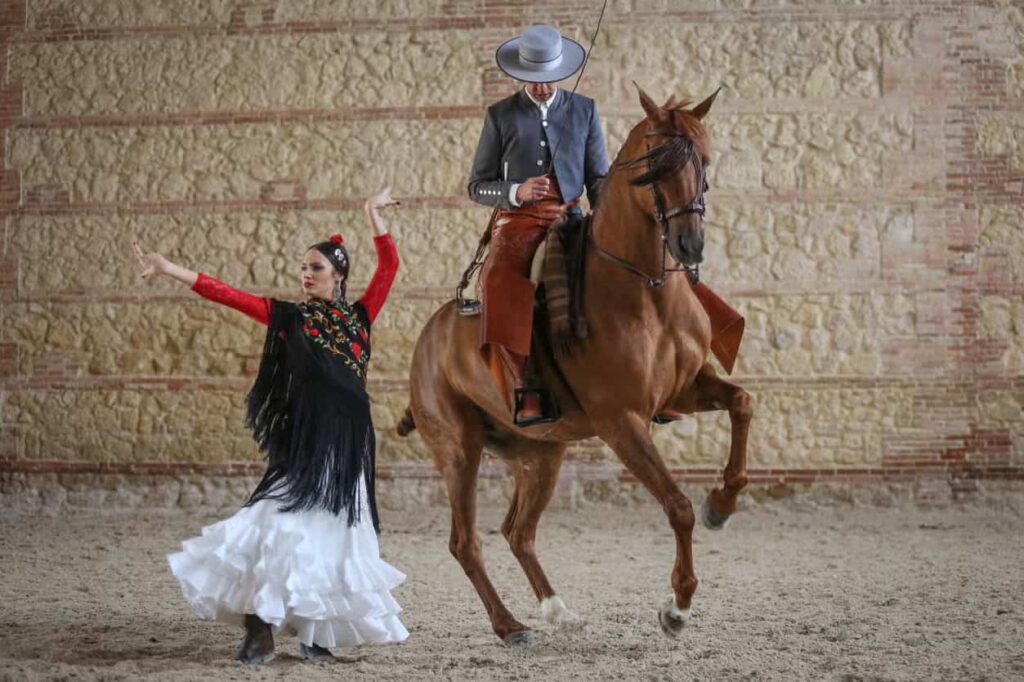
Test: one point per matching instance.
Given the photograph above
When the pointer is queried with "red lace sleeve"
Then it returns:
(387, 265)
(254, 306)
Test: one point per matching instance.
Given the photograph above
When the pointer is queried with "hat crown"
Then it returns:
(540, 44)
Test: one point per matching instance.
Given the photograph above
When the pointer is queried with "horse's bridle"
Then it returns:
(662, 216)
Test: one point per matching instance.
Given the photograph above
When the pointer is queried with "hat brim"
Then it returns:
(507, 57)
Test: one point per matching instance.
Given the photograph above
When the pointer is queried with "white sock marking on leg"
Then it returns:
(554, 611)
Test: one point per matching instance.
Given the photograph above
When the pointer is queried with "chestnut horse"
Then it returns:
(647, 352)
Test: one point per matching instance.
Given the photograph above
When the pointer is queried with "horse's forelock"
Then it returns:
(686, 123)
(688, 138)
(692, 127)
(666, 159)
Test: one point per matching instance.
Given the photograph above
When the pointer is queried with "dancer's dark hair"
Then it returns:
(335, 252)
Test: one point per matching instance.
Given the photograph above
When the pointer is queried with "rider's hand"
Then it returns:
(151, 263)
(381, 200)
(533, 189)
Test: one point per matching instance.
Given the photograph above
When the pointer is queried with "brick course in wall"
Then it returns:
(865, 215)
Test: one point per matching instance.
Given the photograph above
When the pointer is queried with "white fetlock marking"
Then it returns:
(673, 611)
(554, 611)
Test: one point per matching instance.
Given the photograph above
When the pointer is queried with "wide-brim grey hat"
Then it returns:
(540, 55)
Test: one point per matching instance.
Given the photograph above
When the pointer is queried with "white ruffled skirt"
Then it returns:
(306, 573)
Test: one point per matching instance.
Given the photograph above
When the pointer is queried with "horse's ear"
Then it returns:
(702, 109)
(654, 112)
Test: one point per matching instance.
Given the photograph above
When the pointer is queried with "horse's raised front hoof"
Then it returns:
(524, 639)
(672, 618)
(712, 520)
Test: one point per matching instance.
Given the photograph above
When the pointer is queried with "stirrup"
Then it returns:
(469, 307)
(667, 417)
(548, 407)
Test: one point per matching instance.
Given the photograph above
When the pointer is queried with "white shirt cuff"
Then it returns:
(512, 194)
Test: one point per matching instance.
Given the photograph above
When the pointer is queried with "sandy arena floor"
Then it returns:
(787, 592)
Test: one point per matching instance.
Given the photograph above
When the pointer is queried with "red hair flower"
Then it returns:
(337, 239)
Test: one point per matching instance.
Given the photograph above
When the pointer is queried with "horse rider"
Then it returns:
(538, 151)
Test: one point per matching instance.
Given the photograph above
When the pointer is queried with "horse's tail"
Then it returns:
(406, 424)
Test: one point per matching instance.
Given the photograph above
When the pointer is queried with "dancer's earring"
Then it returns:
(337, 290)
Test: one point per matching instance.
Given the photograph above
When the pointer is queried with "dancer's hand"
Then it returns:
(151, 263)
(156, 264)
(381, 200)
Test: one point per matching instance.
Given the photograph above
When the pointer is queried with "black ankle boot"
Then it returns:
(315, 652)
(258, 645)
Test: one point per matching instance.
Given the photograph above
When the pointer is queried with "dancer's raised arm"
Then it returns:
(387, 255)
(154, 264)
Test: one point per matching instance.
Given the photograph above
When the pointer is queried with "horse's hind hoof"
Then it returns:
(712, 520)
(524, 639)
(672, 618)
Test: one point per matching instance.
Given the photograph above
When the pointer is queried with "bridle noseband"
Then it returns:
(661, 215)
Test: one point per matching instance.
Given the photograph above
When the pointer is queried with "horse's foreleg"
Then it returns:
(631, 441)
(709, 393)
(535, 468)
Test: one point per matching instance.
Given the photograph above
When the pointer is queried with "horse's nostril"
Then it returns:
(692, 247)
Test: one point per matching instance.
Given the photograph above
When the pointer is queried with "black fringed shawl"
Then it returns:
(309, 410)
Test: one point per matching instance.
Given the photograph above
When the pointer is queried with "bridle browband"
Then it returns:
(664, 158)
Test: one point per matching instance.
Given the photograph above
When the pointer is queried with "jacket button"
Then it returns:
(543, 143)
(539, 162)
(544, 123)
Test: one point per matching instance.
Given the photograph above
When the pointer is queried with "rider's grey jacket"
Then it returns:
(516, 144)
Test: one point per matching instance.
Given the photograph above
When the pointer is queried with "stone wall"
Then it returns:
(865, 216)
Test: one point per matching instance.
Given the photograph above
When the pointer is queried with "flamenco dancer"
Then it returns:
(302, 556)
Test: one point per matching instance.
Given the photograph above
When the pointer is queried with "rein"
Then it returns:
(662, 216)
